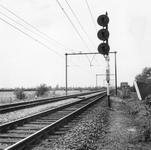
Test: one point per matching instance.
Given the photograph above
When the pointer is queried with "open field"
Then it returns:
(9, 97)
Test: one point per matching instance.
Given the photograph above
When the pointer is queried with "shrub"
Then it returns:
(42, 90)
(19, 93)
(141, 111)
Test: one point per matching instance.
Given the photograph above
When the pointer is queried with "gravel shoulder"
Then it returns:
(101, 129)
(121, 129)
(18, 114)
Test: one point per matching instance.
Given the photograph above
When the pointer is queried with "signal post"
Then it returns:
(108, 79)
(104, 48)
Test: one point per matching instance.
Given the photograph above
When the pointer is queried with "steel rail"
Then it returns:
(26, 141)
(22, 105)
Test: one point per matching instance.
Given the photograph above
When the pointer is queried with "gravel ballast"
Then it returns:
(100, 129)
(10, 116)
(86, 134)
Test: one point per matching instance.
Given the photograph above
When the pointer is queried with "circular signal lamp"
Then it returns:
(103, 20)
(103, 34)
(104, 48)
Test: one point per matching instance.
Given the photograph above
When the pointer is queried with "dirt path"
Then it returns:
(121, 130)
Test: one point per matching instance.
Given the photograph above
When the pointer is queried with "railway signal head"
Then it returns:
(103, 20)
(103, 34)
(104, 48)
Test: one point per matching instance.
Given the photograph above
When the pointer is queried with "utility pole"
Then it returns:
(66, 62)
(108, 79)
(115, 75)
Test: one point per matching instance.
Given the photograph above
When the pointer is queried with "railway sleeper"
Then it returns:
(21, 131)
(8, 141)
(49, 117)
(24, 130)
(59, 132)
(54, 118)
(51, 137)
(71, 109)
(14, 135)
(27, 128)
(64, 111)
(36, 126)
(48, 120)
(41, 122)
(44, 120)
(63, 128)
(58, 114)
(77, 105)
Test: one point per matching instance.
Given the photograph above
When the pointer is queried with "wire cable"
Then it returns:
(61, 45)
(39, 32)
(32, 31)
(73, 25)
(26, 28)
(79, 22)
(91, 15)
(75, 29)
(31, 37)
(43, 44)
(83, 30)
(65, 47)
(92, 21)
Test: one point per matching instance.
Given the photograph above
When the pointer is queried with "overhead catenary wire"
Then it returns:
(81, 27)
(31, 37)
(30, 30)
(59, 44)
(75, 29)
(92, 19)
(73, 25)
(44, 45)
(63, 46)
(79, 23)
(91, 15)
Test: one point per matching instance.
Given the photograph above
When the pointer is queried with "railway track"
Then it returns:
(22, 105)
(20, 134)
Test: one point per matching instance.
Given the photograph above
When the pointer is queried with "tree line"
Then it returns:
(50, 88)
(144, 76)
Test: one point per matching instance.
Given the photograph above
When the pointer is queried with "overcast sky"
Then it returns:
(36, 34)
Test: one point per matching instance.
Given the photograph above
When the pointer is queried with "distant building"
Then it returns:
(125, 90)
(124, 84)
